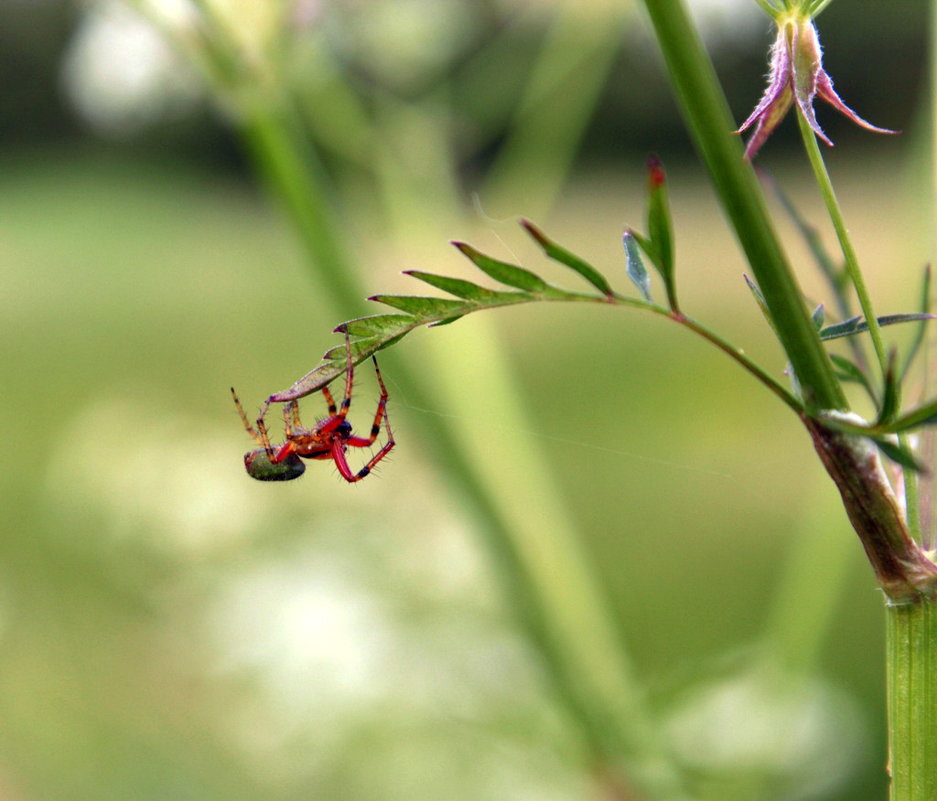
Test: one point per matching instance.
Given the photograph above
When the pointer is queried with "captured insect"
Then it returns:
(327, 439)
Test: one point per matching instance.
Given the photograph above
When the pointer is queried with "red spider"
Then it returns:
(327, 439)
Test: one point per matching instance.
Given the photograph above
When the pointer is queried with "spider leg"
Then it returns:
(338, 455)
(338, 449)
(260, 437)
(380, 414)
(349, 378)
(333, 409)
(338, 417)
(291, 418)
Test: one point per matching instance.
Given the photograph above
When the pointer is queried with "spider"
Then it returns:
(327, 439)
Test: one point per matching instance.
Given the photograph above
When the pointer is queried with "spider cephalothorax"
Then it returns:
(327, 439)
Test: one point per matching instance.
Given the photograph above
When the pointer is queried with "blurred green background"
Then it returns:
(171, 629)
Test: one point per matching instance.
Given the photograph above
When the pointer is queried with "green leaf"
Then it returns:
(446, 321)
(421, 306)
(890, 394)
(509, 274)
(759, 299)
(634, 265)
(378, 325)
(924, 415)
(818, 316)
(898, 453)
(560, 254)
(925, 307)
(456, 286)
(847, 370)
(660, 228)
(856, 325)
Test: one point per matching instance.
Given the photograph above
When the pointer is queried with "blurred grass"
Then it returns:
(146, 653)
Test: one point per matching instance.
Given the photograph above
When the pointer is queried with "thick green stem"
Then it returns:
(912, 699)
(708, 117)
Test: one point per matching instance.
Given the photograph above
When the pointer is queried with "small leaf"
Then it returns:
(759, 299)
(446, 321)
(890, 394)
(925, 415)
(456, 286)
(853, 325)
(378, 325)
(847, 370)
(856, 325)
(899, 454)
(560, 254)
(634, 265)
(818, 316)
(922, 328)
(509, 274)
(659, 227)
(421, 306)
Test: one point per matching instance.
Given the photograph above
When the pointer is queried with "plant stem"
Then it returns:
(912, 699)
(825, 185)
(708, 117)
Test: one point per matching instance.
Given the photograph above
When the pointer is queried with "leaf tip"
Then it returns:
(534, 231)
(655, 171)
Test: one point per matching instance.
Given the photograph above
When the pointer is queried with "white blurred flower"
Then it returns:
(121, 76)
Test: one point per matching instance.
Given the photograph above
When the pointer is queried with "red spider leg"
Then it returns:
(380, 414)
(338, 449)
(339, 417)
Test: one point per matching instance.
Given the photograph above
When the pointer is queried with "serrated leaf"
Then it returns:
(856, 325)
(562, 255)
(456, 286)
(421, 306)
(634, 265)
(501, 271)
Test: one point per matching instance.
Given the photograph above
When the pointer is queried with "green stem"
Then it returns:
(845, 243)
(912, 699)
(708, 117)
